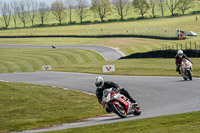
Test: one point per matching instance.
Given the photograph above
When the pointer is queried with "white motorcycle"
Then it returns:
(186, 69)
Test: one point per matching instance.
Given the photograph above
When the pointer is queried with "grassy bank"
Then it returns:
(27, 60)
(181, 123)
(126, 45)
(111, 17)
(159, 27)
(135, 67)
(27, 106)
(84, 61)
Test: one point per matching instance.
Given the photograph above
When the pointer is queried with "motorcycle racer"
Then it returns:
(101, 85)
(178, 60)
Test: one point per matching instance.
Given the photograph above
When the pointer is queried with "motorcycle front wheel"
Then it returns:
(119, 110)
(189, 74)
(137, 111)
(184, 78)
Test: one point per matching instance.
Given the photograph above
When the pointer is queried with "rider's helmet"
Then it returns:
(99, 82)
(180, 53)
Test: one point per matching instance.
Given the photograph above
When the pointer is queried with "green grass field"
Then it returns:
(27, 106)
(134, 67)
(94, 17)
(126, 45)
(181, 123)
(85, 61)
(27, 60)
(156, 26)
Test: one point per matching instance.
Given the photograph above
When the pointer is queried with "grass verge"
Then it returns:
(126, 45)
(84, 61)
(27, 106)
(180, 123)
(27, 60)
(134, 67)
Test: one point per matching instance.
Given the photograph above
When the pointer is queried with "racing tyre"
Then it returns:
(137, 111)
(184, 78)
(189, 75)
(119, 110)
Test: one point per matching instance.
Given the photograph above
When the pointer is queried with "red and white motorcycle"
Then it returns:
(119, 104)
(186, 69)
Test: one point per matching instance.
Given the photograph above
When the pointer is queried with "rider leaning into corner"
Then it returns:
(178, 60)
(101, 85)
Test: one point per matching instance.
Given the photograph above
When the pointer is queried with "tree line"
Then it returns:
(29, 10)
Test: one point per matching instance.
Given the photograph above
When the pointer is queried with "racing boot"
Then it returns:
(108, 110)
(178, 70)
(125, 92)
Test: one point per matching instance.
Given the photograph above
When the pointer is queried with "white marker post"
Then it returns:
(48, 67)
(109, 68)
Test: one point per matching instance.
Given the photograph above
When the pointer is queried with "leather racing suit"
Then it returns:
(178, 61)
(110, 84)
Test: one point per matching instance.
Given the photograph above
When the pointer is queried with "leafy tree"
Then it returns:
(122, 7)
(185, 5)
(32, 9)
(14, 5)
(58, 10)
(6, 14)
(161, 4)
(22, 12)
(81, 9)
(141, 6)
(0, 3)
(43, 12)
(101, 7)
(172, 5)
(69, 5)
(152, 4)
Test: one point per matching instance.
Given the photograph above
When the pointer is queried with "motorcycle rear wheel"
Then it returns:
(119, 110)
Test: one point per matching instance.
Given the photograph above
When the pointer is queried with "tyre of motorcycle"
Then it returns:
(136, 111)
(119, 110)
(184, 78)
(189, 74)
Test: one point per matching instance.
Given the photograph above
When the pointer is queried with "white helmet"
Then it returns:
(99, 82)
(180, 53)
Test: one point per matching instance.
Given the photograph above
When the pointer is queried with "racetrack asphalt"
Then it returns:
(106, 52)
(157, 96)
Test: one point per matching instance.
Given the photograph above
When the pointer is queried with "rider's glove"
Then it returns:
(103, 104)
(135, 104)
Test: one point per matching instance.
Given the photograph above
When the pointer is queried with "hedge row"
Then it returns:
(162, 54)
(94, 36)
